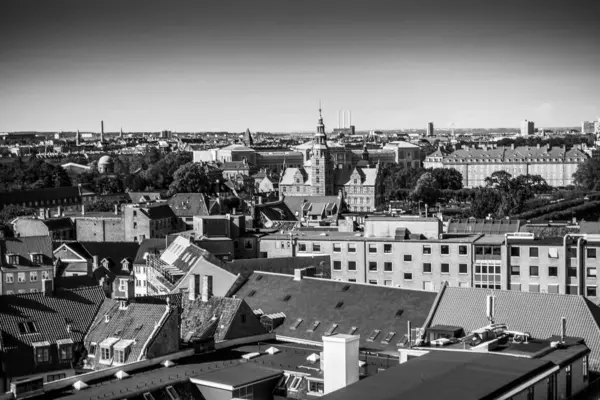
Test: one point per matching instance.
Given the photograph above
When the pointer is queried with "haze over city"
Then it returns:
(229, 65)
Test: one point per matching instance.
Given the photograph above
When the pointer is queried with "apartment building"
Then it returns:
(149, 221)
(407, 260)
(25, 264)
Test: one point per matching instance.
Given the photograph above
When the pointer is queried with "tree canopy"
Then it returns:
(190, 178)
(587, 175)
(35, 174)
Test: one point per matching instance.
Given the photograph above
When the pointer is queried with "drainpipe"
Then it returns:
(578, 263)
(581, 266)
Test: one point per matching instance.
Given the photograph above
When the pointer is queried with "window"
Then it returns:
(373, 282)
(572, 252)
(92, 351)
(135, 225)
(515, 270)
(21, 277)
(316, 247)
(106, 353)
(553, 289)
(373, 335)
(445, 249)
(314, 326)
(37, 258)
(591, 253)
(301, 246)
(121, 356)
(296, 383)
(533, 252)
(515, 286)
(134, 213)
(534, 287)
(296, 324)
(572, 272)
(462, 269)
(387, 282)
(572, 289)
(552, 271)
(445, 268)
(387, 248)
(351, 247)
(408, 276)
(351, 265)
(66, 352)
(407, 257)
(248, 244)
(42, 354)
(426, 249)
(462, 250)
(316, 387)
(586, 369)
(173, 395)
(373, 266)
(351, 279)
(372, 248)
(45, 274)
(388, 267)
(553, 252)
(534, 270)
(591, 291)
(591, 272)
(33, 276)
(55, 377)
(9, 277)
(515, 251)
(337, 247)
(426, 268)
(27, 327)
(337, 265)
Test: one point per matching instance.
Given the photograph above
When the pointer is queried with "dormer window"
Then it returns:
(65, 350)
(42, 352)
(27, 327)
(12, 259)
(106, 349)
(122, 350)
(37, 258)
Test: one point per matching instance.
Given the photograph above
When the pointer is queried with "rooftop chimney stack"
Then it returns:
(83, 210)
(491, 308)
(116, 209)
(298, 272)
(194, 287)
(563, 329)
(340, 361)
(207, 288)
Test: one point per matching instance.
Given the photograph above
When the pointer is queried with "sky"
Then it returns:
(147, 65)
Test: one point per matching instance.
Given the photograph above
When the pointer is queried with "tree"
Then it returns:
(499, 180)
(190, 178)
(485, 201)
(587, 175)
(11, 211)
(427, 189)
(100, 206)
(447, 178)
(397, 177)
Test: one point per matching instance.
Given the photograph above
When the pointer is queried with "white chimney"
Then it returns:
(207, 288)
(340, 364)
(83, 210)
(298, 274)
(491, 308)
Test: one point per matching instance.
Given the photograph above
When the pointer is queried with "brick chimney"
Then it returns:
(207, 288)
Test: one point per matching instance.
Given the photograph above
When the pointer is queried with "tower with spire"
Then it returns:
(365, 152)
(78, 138)
(121, 133)
(321, 166)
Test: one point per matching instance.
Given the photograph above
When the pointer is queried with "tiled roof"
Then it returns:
(366, 307)
(295, 203)
(220, 316)
(188, 204)
(141, 197)
(160, 211)
(50, 315)
(149, 246)
(116, 251)
(136, 322)
(49, 194)
(25, 246)
(518, 154)
(537, 313)
(288, 176)
(368, 176)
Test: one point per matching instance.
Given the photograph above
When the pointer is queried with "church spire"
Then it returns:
(320, 125)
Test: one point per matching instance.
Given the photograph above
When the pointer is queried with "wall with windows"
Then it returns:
(25, 280)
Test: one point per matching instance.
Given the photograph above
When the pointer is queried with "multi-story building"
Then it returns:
(320, 176)
(149, 221)
(406, 260)
(26, 263)
(67, 197)
(527, 128)
(555, 164)
(588, 127)
(434, 160)
(57, 228)
(430, 130)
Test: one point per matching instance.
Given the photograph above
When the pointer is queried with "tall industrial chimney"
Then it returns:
(102, 131)
(338, 125)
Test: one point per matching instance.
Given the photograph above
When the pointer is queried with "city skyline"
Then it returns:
(186, 66)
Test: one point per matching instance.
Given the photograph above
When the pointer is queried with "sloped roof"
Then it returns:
(276, 211)
(188, 204)
(48, 194)
(140, 197)
(288, 176)
(366, 307)
(159, 211)
(50, 315)
(58, 223)
(136, 323)
(24, 247)
(368, 176)
(237, 147)
(217, 318)
(116, 251)
(149, 246)
(295, 203)
(436, 154)
(537, 313)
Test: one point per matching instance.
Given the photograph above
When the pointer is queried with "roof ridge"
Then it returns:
(587, 306)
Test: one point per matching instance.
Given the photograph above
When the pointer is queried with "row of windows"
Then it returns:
(534, 270)
(591, 291)
(389, 267)
(9, 277)
(552, 252)
(445, 249)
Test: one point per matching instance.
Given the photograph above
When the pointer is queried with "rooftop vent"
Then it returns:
(352, 330)
(296, 324)
(252, 293)
(287, 297)
(399, 312)
(259, 277)
(373, 335)
(339, 304)
(345, 288)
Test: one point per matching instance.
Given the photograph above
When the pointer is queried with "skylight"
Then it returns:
(252, 293)
(339, 304)
(345, 288)
(373, 335)
(314, 326)
(148, 396)
(296, 324)
(27, 327)
(172, 393)
(287, 297)
(399, 312)
(388, 338)
(259, 277)
(352, 330)
(331, 330)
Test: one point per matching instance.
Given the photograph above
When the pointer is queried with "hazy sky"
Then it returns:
(264, 65)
